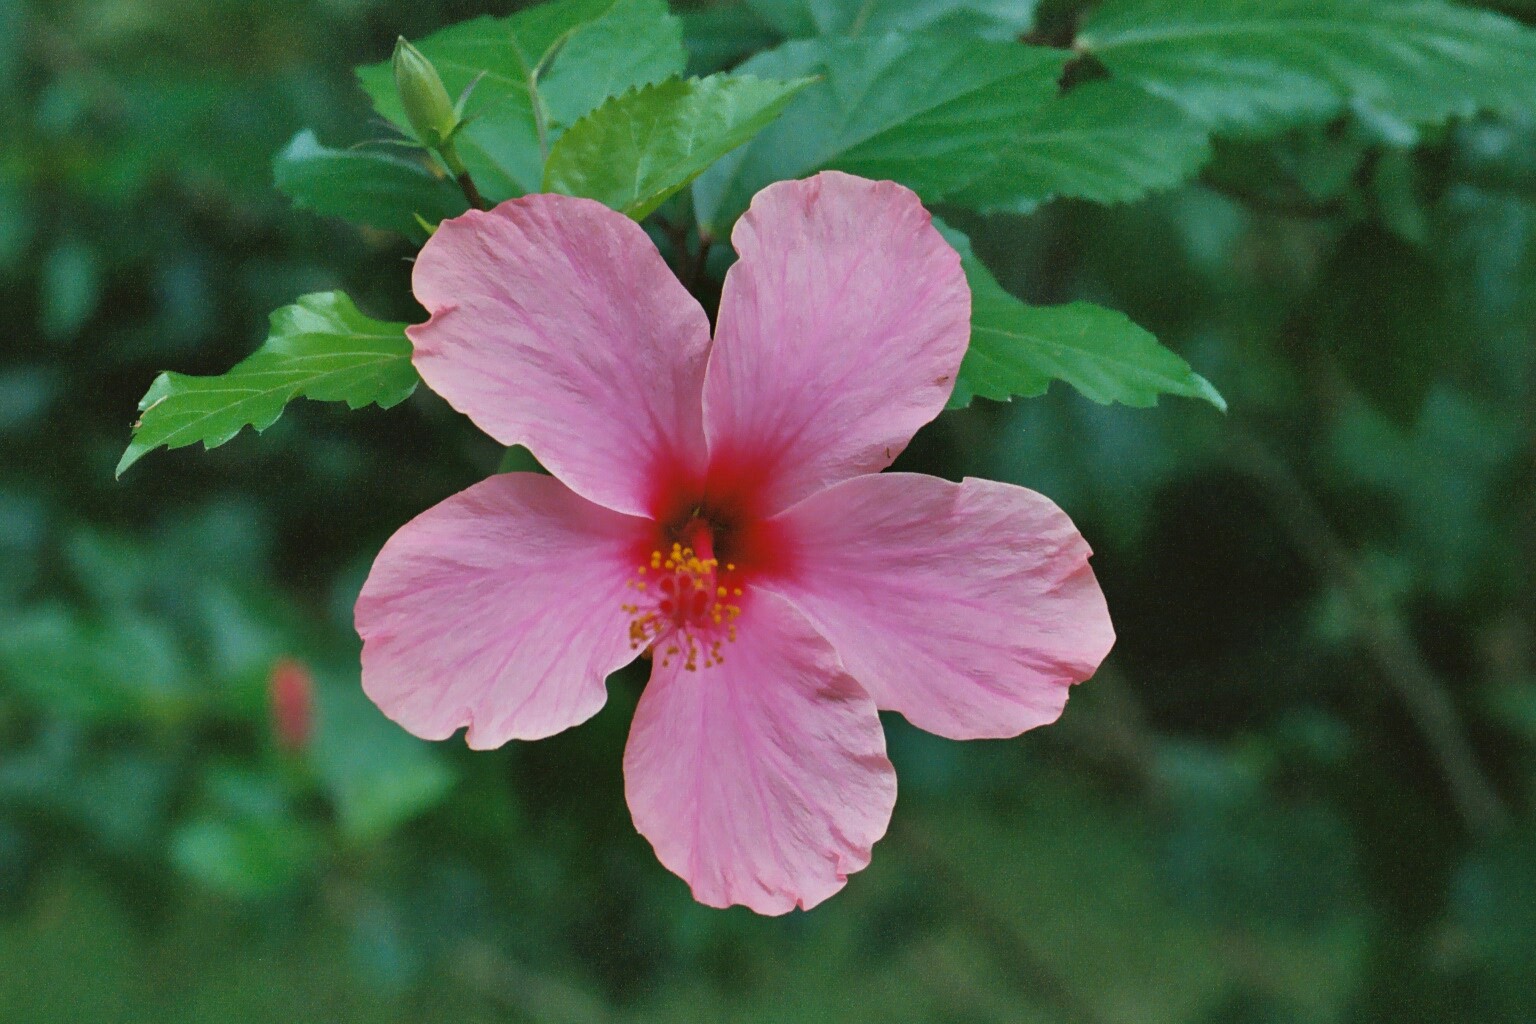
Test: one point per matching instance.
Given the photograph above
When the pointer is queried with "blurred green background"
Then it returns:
(1300, 790)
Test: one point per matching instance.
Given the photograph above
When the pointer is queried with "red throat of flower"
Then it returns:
(687, 602)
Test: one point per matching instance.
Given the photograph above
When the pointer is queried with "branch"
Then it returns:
(1382, 634)
(1024, 969)
(471, 193)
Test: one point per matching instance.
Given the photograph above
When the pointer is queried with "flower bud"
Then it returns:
(424, 96)
(291, 702)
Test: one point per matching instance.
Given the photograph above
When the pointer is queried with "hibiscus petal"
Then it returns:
(840, 333)
(970, 608)
(763, 780)
(499, 609)
(556, 325)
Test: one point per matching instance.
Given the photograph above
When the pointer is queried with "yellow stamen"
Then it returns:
(692, 614)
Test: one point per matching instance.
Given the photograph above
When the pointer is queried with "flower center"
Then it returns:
(685, 606)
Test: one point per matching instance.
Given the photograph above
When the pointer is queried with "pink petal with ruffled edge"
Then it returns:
(841, 330)
(557, 325)
(970, 608)
(762, 781)
(499, 609)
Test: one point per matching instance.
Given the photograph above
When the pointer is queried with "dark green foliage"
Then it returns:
(988, 19)
(930, 111)
(1258, 65)
(1017, 349)
(1105, 141)
(384, 190)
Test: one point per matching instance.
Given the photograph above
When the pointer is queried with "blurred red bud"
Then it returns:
(291, 700)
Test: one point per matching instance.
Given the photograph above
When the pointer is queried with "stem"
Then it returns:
(861, 18)
(677, 236)
(700, 260)
(1025, 970)
(1059, 32)
(540, 126)
(1383, 635)
(467, 186)
(460, 174)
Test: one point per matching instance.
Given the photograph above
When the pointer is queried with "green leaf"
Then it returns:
(1259, 65)
(71, 285)
(378, 775)
(243, 859)
(1105, 141)
(566, 56)
(989, 19)
(637, 149)
(381, 190)
(1018, 349)
(321, 348)
(638, 42)
(243, 840)
(932, 112)
(126, 667)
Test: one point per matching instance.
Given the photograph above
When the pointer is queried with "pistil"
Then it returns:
(685, 608)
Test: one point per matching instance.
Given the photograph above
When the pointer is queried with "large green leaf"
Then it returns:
(365, 186)
(1106, 141)
(567, 57)
(637, 149)
(1018, 349)
(320, 347)
(1259, 65)
(932, 112)
(990, 19)
(637, 42)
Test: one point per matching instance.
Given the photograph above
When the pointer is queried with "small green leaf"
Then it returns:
(320, 348)
(381, 190)
(71, 285)
(243, 840)
(989, 19)
(932, 112)
(1259, 65)
(125, 667)
(243, 859)
(1018, 349)
(637, 149)
(1105, 141)
(377, 775)
(566, 56)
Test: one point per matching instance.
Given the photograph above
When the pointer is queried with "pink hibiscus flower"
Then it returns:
(719, 506)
